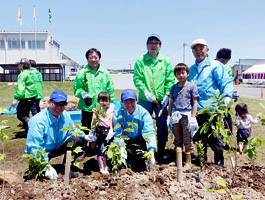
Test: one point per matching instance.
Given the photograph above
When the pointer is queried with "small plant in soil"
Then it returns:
(3, 137)
(113, 151)
(76, 150)
(146, 155)
(251, 149)
(154, 91)
(224, 190)
(217, 110)
(99, 112)
(37, 164)
(201, 153)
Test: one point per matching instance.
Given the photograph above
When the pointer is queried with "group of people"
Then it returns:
(175, 106)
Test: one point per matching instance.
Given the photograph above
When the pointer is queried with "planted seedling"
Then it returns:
(76, 150)
(154, 91)
(88, 101)
(224, 190)
(37, 164)
(201, 153)
(251, 149)
(99, 112)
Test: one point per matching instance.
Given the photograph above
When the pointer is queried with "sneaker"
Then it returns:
(74, 175)
(81, 157)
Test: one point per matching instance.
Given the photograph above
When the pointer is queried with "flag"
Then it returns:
(34, 14)
(19, 18)
(50, 16)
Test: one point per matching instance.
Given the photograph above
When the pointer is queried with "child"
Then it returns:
(242, 122)
(103, 125)
(183, 104)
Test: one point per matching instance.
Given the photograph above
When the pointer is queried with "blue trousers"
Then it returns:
(161, 122)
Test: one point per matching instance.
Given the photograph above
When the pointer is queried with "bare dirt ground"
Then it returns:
(159, 183)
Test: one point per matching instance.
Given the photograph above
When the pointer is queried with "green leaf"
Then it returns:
(84, 128)
(212, 99)
(70, 144)
(125, 137)
(235, 197)
(117, 126)
(221, 182)
(69, 128)
(76, 163)
(78, 150)
(128, 130)
(132, 124)
(217, 93)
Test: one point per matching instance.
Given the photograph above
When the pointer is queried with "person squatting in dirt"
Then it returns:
(153, 77)
(209, 75)
(102, 129)
(182, 111)
(243, 123)
(89, 82)
(25, 94)
(45, 132)
(143, 134)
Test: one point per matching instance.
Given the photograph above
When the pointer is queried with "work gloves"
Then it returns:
(91, 136)
(51, 173)
(85, 95)
(110, 135)
(14, 103)
(165, 101)
(193, 126)
(123, 154)
(226, 101)
(150, 97)
(150, 162)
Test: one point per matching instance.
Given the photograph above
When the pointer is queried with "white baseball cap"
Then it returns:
(198, 41)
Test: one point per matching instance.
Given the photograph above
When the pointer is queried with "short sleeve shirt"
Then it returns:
(182, 96)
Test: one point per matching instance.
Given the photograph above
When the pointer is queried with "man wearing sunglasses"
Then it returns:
(45, 132)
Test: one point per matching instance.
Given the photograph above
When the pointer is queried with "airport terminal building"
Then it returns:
(42, 47)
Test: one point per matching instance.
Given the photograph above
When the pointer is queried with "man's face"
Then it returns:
(56, 108)
(153, 46)
(224, 61)
(20, 67)
(93, 59)
(200, 52)
(129, 105)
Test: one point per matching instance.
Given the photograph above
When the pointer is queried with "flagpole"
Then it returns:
(34, 17)
(20, 22)
(50, 20)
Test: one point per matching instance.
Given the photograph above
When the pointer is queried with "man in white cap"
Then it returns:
(154, 77)
(209, 75)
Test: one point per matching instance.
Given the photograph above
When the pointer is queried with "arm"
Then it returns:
(138, 77)
(110, 87)
(170, 106)
(237, 122)
(79, 85)
(254, 121)
(195, 106)
(169, 78)
(149, 131)
(20, 89)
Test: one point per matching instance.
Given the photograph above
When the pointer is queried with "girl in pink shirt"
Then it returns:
(102, 122)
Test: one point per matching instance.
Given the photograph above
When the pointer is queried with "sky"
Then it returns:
(119, 28)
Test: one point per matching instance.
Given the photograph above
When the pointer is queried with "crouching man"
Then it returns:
(135, 117)
(45, 131)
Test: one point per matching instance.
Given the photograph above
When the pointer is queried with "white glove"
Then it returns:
(123, 153)
(110, 135)
(169, 122)
(193, 125)
(14, 103)
(165, 101)
(85, 95)
(149, 96)
(111, 105)
(51, 173)
(91, 136)
(226, 101)
(150, 162)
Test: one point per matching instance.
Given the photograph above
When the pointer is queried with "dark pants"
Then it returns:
(161, 121)
(35, 107)
(86, 120)
(228, 123)
(23, 108)
(63, 148)
(215, 143)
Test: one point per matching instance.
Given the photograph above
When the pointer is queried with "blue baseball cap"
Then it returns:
(58, 96)
(153, 36)
(128, 94)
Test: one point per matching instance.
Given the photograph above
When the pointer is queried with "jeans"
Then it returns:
(35, 107)
(161, 121)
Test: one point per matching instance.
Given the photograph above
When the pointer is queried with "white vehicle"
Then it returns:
(72, 76)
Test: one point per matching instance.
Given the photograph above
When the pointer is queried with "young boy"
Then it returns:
(182, 110)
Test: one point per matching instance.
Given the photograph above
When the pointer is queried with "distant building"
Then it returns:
(51, 61)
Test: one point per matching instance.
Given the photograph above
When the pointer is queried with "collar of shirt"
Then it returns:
(199, 65)
(153, 59)
(130, 115)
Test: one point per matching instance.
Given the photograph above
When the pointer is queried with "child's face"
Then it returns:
(182, 75)
(103, 104)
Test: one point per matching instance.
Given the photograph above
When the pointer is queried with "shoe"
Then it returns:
(101, 166)
(74, 175)
(82, 157)
(20, 124)
(23, 135)
(188, 161)
(220, 163)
